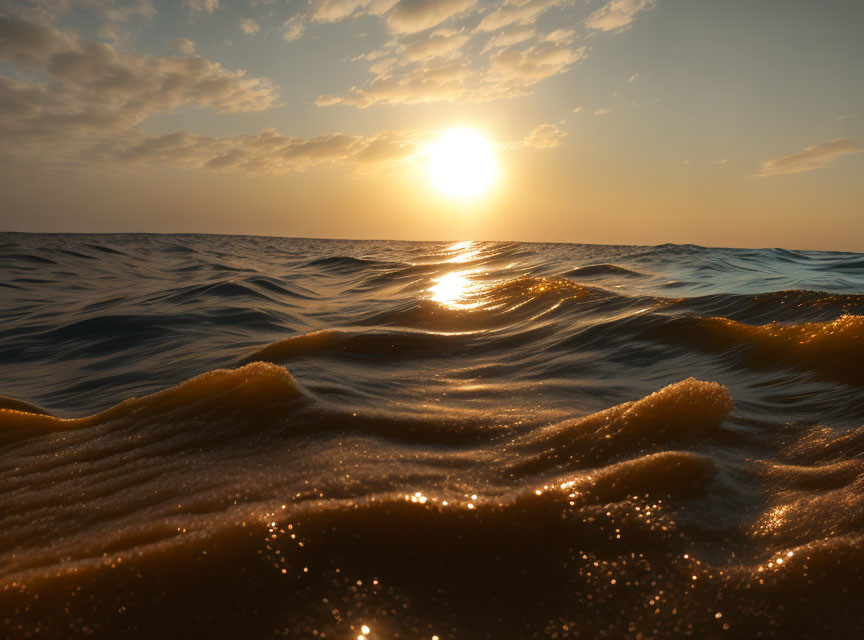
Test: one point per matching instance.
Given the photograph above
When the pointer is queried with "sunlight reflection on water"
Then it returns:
(452, 290)
(465, 251)
(456, 288)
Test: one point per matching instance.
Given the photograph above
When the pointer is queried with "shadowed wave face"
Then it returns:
(239, 437)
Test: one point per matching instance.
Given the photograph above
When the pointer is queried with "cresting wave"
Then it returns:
(834, 350)
(261, 438)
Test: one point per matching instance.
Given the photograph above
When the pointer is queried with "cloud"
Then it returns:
(523, 66)
(83, 87)
(266, 152)
(405, 16)
(432, 83)
(617, 14)
(518, 12)
(201, 6)
(249, 26)
(815, 157)
(184, 46)
(113, 15)
(293, 28)
(545, 136)
(514, 34)
(438, 44)
(329, 11)
(511, 72)
(561, 35)
(449, 64)
(336, 10)
(406, 54)
(602, 111)
(409, 16)
(29, 44)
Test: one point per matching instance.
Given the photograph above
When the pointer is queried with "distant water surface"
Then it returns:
(245, 437)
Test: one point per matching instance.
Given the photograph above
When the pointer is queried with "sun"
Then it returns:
(462, 163)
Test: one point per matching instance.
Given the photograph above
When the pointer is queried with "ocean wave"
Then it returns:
(832, 350)
(253, 288)
(214, 491)
(267, 391)
(853, 265)
(448, 439)
(382, 344)
(677, 410)
(348, 264)
(104, 249)
(24, 257)
(592, 270)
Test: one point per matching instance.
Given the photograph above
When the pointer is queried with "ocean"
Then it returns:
(251, 437)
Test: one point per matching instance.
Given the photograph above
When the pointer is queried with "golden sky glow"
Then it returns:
(606, 121)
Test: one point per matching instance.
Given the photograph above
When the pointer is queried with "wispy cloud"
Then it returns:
(436, 45)
(452, 63)
(336, 10)
(409, 16)
(249, 26)
(267, 152)
(294, 28)
(462, 60)
(815, 157)
(518, 12)
(428, 83)
(184, 46)
(617, 14)
(419, 47)
(545, 136)
(114, 16)
(202, 6)
(513, 34)
(528, 65)
(511, 72)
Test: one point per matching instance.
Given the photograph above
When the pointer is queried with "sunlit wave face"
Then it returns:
(462, 163)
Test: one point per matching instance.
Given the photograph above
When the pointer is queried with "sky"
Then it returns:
(713, 122)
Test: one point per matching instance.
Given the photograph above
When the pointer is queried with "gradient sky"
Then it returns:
(716, 122)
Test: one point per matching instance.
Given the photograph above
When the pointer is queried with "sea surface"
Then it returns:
(248, 437)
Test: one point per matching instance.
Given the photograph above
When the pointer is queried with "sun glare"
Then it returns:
(455, 290)
(449, 289)
(462, 163)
